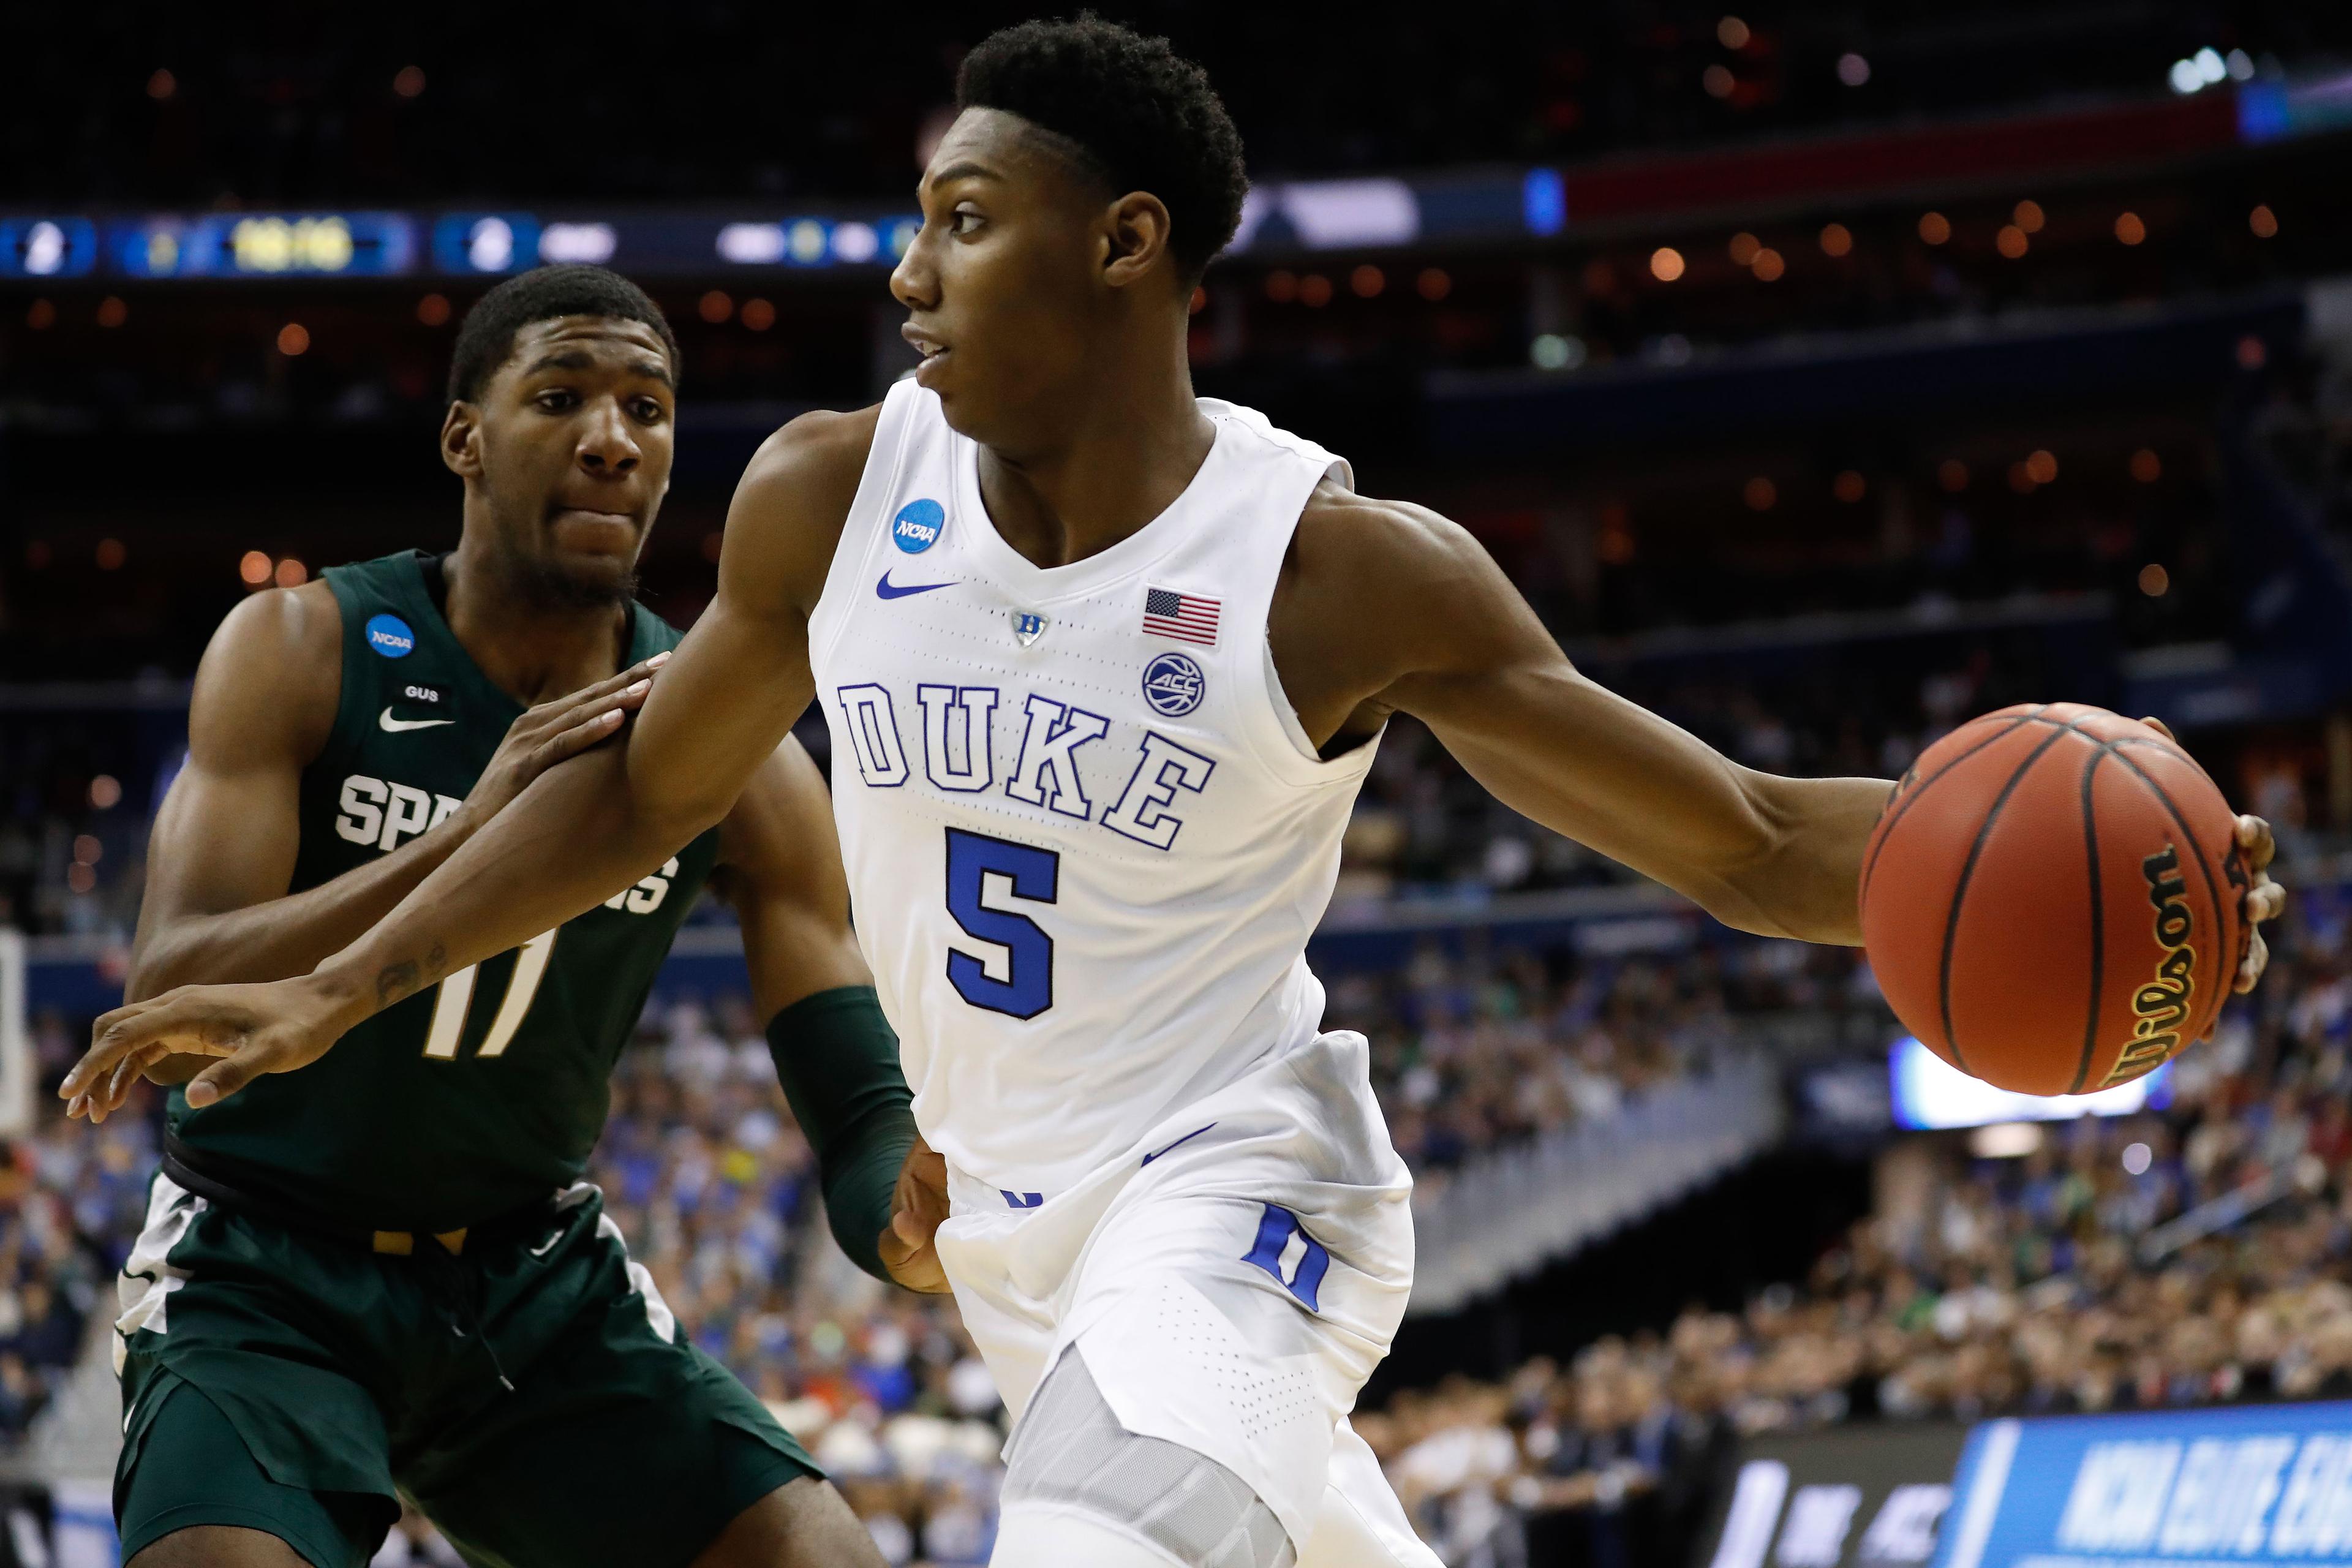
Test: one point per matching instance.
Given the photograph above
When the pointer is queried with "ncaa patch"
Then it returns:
(918, 525)
(391, 636)
(1173, 685)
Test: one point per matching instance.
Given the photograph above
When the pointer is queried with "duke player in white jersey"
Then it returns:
(1103, 665)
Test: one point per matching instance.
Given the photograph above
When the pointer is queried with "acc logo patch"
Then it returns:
(391, 636)
(1173, 685)
(917, 525)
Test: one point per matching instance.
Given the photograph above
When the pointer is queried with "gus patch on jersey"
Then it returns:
(1173, 684)
(391, 636)
(918, 525)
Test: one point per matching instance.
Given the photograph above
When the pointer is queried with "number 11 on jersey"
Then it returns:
(456, 994)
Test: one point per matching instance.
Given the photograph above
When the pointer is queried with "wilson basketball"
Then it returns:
(2053, 900)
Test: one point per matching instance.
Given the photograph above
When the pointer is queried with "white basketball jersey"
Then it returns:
(1086, 839)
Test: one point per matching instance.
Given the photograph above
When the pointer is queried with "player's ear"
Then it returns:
(460, 452)
(1139, 237)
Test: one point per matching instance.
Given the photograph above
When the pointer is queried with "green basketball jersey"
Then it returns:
(485, 1092)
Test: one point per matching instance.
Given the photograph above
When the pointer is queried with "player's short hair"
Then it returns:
(1142, 117)
(486, 337)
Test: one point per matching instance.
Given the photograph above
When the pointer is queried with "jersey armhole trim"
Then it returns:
(346, 731)
(1274, 731)
(894, 427)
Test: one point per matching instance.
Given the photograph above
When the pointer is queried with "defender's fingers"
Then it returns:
(627, 700)
(223, 1078)
(2266, 900)
(913, 1264)
(171, 1017)
(630, 684)
(2161, 728)
(109, 1041)
(571, 743)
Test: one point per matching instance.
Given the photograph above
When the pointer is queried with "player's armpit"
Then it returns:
(1390, 607)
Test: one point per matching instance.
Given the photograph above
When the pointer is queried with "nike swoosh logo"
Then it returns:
(1178, 1145)
(543, 1247)
(887, 590)
(392, 726)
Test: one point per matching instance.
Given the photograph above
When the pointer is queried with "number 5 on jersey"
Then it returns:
(1029, 874)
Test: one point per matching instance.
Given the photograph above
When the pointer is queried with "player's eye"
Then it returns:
(964, 221)
(556, 399)
(648, 411)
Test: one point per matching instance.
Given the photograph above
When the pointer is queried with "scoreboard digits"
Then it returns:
(265, 245)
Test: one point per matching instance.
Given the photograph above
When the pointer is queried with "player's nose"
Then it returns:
(607, 447)
(915, 281)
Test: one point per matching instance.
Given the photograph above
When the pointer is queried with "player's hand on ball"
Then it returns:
(2265, 900)
(258, 1028)
(556, 730)
(917, 1208)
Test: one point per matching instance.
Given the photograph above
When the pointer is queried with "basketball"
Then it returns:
(2052, 901)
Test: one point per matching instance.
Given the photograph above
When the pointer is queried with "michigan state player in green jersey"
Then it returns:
(387, 1277)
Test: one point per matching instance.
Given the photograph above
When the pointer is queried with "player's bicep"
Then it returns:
(222, 841)
(229, 827)
(1608, 772)
(720, 705)
(781, 868)
(731, 694)
(1481, 669)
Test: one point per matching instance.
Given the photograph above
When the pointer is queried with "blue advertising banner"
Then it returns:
(2249, 1484)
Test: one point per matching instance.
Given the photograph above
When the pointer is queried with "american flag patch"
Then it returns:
(1187, 617)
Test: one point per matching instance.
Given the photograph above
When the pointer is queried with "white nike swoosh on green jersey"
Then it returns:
(392, 726)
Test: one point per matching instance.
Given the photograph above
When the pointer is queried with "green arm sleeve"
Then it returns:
(838, 1061)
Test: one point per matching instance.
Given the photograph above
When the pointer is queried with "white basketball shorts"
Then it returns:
(1232, 1283)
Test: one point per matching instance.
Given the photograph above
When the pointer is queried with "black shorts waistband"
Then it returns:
(185, 1166)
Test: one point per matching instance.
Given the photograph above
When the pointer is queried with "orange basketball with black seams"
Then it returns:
(2053, 900)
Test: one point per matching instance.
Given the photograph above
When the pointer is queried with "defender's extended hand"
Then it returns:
(273, 1027)
(917, 1208)
(557, 728)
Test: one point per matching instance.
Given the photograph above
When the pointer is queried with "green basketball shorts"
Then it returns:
(530, 1394)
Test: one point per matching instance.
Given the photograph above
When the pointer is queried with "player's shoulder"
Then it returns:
(1365, 540)
(791, 504)
(822, 450)
(296, 626)
(275, 664)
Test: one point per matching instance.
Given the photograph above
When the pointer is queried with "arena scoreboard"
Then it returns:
(360, 245)
(1299, 214)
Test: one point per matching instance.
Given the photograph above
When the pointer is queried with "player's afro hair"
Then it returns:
(486, 337)
(1146, 119)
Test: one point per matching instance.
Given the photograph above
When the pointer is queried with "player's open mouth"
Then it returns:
(930, 348)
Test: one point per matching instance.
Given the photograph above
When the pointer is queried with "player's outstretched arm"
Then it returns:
(837, 1058)
(582, 829)
(1387, 607)
(222, 852)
